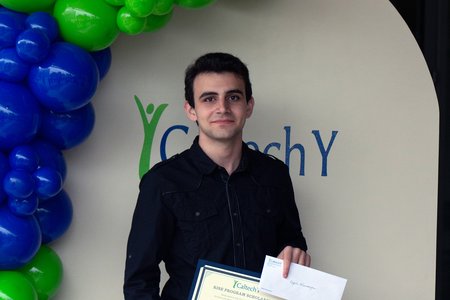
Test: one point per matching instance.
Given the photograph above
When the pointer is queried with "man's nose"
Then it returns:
(223, 105)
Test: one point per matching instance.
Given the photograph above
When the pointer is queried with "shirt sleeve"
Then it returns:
(151, 226)
(290, 232)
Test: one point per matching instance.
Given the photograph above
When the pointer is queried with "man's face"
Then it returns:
(221, 108)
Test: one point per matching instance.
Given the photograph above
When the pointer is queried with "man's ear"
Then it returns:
(250, 106)
(190, 111)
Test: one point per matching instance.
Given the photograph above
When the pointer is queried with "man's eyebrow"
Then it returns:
(207, 94)
(235, 91)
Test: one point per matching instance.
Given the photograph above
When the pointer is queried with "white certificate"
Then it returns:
(302, 282)
(216, 281)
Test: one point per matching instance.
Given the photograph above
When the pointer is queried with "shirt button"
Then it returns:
(235, 214)
(197, 214)
(238, 244)
(268, 211)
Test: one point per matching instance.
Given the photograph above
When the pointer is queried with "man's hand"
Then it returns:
(296, 255)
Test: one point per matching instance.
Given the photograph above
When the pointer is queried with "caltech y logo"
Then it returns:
(150, 117)
(149, 131)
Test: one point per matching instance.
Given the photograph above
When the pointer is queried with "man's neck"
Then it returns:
(225, 154)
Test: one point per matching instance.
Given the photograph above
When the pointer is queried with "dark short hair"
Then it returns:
(215, 63)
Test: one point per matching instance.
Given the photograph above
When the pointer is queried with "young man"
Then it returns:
(219, 200)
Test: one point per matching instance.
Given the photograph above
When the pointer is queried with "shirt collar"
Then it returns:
(206, 165)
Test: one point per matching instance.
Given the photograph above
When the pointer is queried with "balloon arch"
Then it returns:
(53, 54)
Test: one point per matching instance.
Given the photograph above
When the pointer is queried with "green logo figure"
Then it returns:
(149, 131)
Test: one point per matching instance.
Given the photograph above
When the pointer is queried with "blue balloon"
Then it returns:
(103, 60)
(4, 168)
(32, 45)
(11, 24)
(12, 67)
(20, 239)
(50, 156)
(54, 216)
(18, 184)
(23, 157)
(67, 130)
(23, 207)
(48, 182)
(66, 80)
(44, 22)
(19, 115)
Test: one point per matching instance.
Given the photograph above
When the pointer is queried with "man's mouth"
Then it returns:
(222, 121)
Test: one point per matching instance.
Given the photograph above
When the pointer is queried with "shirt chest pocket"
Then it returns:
(265, 216)
(194, 222)
(266, 204)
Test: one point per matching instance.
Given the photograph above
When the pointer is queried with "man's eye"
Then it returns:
(208, 99)
(234, 98)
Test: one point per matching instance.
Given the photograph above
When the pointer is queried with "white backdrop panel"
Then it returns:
(349, 66)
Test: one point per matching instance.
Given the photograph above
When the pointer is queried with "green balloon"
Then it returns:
(163, 7)
(140, 8)
(45, 272)
(90, 24)
(193, 3)
(115, 2)
(15, 286)
(154, 22)
(128, 23)
(28, 6)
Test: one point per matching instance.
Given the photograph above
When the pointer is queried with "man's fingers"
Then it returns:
(295, 255)
(286, 256)
(308, 260)
(305, 259)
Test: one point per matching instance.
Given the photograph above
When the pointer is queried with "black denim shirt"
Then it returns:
(189, 208)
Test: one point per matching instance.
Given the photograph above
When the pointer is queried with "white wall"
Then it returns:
(350, 66)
